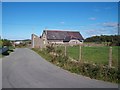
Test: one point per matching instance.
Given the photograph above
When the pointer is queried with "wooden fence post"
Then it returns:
(110, 57)
(80, 53)
(65, 50)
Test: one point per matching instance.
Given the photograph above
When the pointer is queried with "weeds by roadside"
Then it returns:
(96, 71)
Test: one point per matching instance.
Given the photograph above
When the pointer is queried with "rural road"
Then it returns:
(26, 69)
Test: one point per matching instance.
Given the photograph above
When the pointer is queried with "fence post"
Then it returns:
(110, 56)
(65, 50)
(80, 53)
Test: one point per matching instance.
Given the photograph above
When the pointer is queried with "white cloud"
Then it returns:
(100, 31)
(91, 31)
(62, 22)
(95, 24)
(110, 24)
(92, 18)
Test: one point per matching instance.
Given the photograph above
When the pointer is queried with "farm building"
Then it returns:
(56, 37)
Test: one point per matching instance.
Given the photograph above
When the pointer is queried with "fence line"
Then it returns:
(100, 55)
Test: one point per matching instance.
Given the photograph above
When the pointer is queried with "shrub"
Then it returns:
(59, 51)
(50, 48)
(96, 71)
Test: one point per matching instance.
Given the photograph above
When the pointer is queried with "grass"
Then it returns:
(0, 55)
(43, 54)
(11, 48)
(73, 52)
(98, 55)
(115, 56)
(1, 43)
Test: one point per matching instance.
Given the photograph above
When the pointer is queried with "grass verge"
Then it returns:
(96, 71)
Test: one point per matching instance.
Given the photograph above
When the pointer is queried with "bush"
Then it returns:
(95, 71)
(50, 48)
(6, 42)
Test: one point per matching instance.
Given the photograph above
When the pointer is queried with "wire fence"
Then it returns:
(93, 54)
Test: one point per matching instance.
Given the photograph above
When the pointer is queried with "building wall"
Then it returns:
(75, 42)
(44, 38)
(36, 41)
(55, 42)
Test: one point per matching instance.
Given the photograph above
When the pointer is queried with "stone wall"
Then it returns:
(36, 42)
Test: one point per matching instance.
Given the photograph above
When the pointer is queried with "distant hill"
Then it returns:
(22, 40)
(113, 40)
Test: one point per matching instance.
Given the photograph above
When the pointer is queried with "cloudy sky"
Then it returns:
(20, 20)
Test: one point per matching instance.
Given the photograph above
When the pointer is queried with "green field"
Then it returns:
(99, 55)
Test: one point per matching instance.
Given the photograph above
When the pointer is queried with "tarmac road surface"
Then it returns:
(24, 68)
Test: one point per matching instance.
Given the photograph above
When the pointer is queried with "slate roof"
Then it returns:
(63, 35)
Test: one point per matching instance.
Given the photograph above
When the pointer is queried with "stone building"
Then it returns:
(56, 37)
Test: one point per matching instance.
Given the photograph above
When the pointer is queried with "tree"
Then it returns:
(113, 40)
(6, 42)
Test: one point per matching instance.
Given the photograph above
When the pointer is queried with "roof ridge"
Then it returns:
(61, 31)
